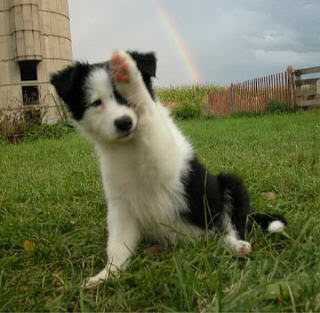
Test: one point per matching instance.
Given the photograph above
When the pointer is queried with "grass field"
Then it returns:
(53, 232)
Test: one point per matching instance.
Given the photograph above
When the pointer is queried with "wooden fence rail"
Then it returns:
(307, 90)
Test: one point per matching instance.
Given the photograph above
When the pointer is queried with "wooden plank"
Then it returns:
(287, 87)
(292, 87)
(24, 83)
(241, 95)
(277, 86)
(282, 88)
(306, 93)
(232, 92)
(308, 70)
(273, 86)
(267, 89)
(309, 81)
(270, 87)
(28, 108)
(308, 103)
(259, 94)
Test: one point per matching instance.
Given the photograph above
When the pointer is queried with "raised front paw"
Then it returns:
(128, 76)
(123, 68)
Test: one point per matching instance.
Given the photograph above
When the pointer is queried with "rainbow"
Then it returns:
(179, 42)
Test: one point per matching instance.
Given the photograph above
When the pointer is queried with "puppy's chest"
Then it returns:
(153, 198)
(156, 208)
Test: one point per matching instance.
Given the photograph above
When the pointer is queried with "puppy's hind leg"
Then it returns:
(234, 243)
(236, 207)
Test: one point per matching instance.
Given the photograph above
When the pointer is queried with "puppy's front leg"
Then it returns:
(123, 238)
(129, 82)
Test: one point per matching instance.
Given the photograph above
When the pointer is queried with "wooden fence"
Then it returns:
(307, 90)
(253, 95)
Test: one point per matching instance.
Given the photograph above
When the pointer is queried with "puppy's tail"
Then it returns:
(273, 223)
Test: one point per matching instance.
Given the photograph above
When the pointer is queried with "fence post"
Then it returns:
(232, 98)
(292, 87)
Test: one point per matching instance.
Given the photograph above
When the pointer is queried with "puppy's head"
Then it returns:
(94, 102)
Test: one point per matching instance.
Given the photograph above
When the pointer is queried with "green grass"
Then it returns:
(51, 195)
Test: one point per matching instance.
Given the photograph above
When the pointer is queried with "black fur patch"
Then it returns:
(238, 197)
(208, 196)
(147, 65)
(69, 85)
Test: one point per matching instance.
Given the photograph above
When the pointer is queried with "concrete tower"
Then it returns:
(35, 41)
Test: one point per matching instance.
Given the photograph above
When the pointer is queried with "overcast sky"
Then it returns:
(214, 41)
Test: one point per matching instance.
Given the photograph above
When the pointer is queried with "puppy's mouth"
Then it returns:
(128, 134)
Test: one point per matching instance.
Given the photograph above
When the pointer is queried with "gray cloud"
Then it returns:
(229, 40)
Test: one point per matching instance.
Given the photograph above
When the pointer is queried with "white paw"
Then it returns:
(124, 71)
(97, 279)
(276, 227)
(109, 272)
(240, 247)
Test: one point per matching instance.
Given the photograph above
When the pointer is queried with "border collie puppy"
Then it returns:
(153, 182)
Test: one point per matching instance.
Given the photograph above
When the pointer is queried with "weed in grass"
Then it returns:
(51, 195)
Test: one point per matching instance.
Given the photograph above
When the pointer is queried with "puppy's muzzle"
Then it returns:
(124, 124)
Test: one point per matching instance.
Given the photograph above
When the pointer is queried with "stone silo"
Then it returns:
(35, 41)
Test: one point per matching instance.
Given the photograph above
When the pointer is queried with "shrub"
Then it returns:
(12, 126)
(277, 106)
(17, 129)
(53, 131)
(186, 102)
(21, 122)
(188, 110)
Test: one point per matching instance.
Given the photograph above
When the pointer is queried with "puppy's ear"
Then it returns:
(69, 86)
(67, 81)
(146, 62)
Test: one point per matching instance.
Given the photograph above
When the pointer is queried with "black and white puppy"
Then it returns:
(153, 182)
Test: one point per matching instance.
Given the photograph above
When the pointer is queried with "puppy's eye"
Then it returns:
(96, 103)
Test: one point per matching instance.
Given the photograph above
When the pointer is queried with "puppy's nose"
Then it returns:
(123, 123)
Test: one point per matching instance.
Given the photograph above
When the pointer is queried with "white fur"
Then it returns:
(276, 227)
(98, 122)
(141, 173)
